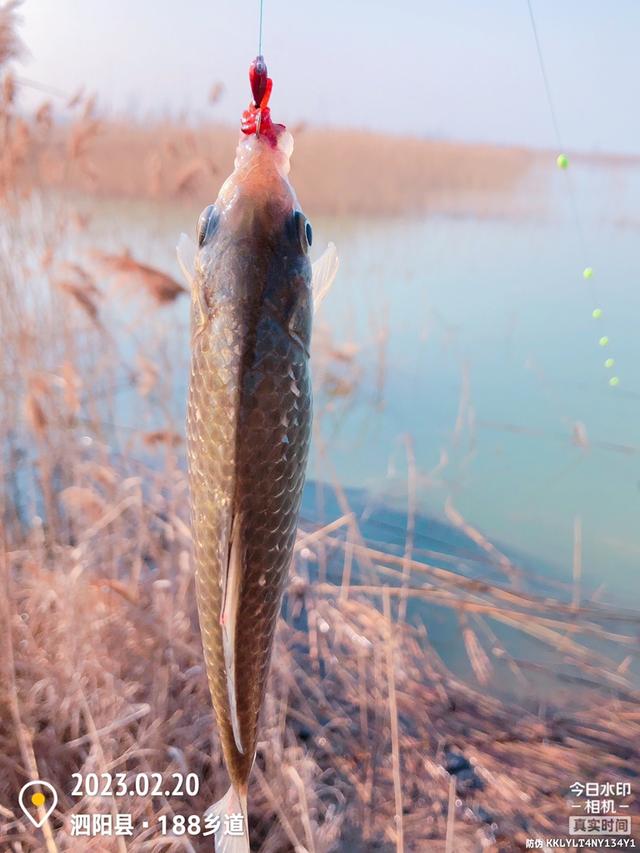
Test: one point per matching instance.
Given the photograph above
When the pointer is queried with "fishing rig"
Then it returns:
(562, 162)
(257, 117)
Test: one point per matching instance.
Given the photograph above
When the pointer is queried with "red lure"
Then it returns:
(257, 117)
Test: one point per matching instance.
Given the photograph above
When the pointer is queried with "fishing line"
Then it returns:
(260, 30)
(545, 77)
(562, 161)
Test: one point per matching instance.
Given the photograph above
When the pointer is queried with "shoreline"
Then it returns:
(336, 172)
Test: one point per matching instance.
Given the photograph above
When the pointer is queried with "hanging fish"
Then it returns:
(248, 422)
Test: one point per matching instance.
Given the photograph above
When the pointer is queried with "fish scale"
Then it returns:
(249, 419)
(248, 433)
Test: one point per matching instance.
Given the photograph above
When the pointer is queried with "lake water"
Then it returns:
(475, 337)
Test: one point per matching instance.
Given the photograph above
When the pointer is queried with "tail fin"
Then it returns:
(228, 838)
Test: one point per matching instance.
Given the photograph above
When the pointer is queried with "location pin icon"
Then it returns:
(39, 797)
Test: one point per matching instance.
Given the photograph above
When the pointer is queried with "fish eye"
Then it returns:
(206, 224)
(304, 230)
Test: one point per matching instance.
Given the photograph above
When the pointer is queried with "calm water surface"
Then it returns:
(474, 336)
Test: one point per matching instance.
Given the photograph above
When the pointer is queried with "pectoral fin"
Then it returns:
(186, 252)
(324, 272)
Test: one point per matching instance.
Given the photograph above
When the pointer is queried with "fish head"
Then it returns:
(257, 202)
(257, 199)
(254, 243)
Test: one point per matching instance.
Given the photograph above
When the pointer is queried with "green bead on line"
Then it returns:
(562, 161)
(609, 363)
(596, 313)
(614, 381)
(604, 340)
(587, 272)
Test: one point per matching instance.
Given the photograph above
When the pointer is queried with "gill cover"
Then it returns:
(324, 269)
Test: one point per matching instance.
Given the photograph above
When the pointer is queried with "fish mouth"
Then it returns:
(258, 188)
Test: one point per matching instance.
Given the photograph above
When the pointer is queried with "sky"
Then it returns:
(449, 69)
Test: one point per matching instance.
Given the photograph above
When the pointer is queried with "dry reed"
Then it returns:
(335, 171)
(369, 740)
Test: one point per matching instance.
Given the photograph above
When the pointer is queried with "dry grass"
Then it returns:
(10, 45)
(103, 672)
(335, 171)
(160, 286)
(370, 742)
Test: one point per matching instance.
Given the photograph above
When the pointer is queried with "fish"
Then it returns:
(249, 417)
